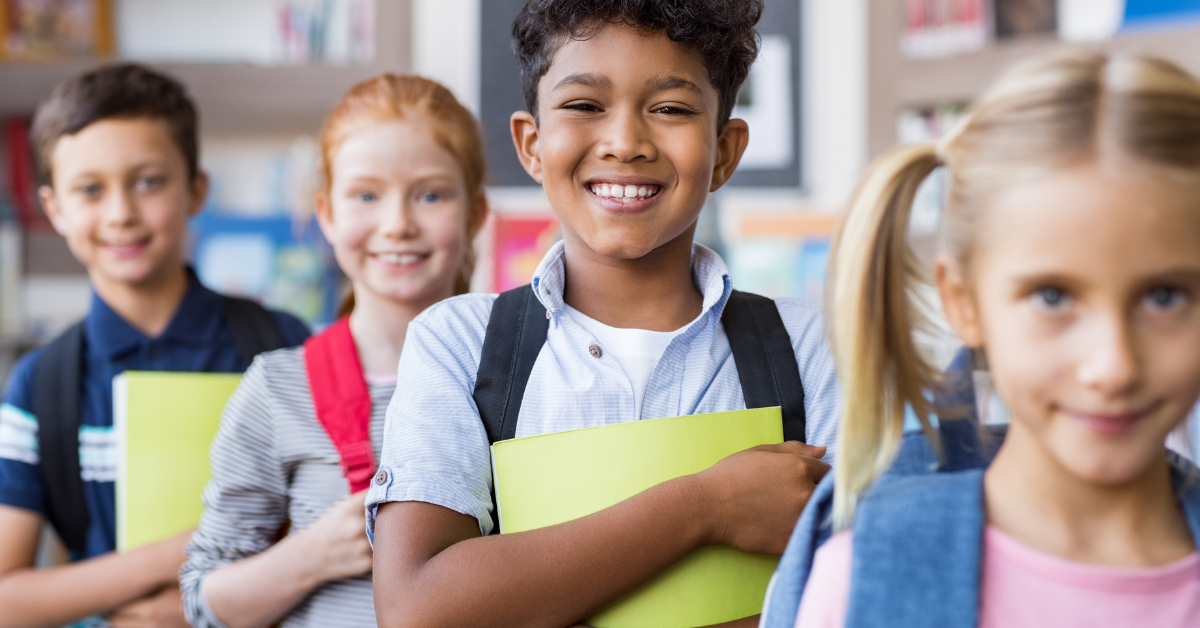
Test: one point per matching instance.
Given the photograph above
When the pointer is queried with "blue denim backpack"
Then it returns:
(918, 532)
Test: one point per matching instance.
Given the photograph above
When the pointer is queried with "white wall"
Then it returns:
(834, 114)
(446, 46)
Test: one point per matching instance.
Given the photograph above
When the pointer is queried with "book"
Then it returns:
(37, 30)
(552, 478)
(940, 28)
(164, 424)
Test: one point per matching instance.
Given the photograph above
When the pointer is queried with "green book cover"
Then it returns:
(552, 478)
(165, 423)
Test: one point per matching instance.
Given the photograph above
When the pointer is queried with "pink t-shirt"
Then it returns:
(1027, 588)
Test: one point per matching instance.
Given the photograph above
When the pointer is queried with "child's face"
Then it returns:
(121, 197)
(1086, 295)
(626, 143)
(396, 213)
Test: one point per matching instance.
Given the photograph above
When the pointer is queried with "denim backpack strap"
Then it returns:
(1186, 478)
(791, 577)
(917, 546)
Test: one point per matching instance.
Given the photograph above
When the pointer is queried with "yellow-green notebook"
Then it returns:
(165, 423)
(552, 478)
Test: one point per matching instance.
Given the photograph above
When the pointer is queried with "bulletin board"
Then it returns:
(769, 102)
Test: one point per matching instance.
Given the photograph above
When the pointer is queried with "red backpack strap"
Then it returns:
(342, 401)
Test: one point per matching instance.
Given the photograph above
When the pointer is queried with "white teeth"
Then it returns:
(622, 192)
(400, 259)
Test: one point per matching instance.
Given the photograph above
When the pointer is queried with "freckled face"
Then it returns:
(396, 214)
(626, 143)
(121, 197)
(1088, 288)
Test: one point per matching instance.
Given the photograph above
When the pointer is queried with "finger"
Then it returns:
(812, 451)
(817, 468)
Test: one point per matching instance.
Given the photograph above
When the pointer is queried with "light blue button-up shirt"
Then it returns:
(435, 448)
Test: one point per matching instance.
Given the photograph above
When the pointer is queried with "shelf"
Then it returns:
(896, 82)
(240, 98)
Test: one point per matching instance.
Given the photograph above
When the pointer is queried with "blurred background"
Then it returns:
(838, 81)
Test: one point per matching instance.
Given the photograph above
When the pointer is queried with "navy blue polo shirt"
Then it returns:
(197, 339)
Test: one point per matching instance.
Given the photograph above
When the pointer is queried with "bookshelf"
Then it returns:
(896, 82)
(239, 98)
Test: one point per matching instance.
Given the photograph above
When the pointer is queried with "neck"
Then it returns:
(379, 325)
(1033, 498)
(653, 292)
(147, 306)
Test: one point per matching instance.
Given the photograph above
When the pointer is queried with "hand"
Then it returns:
(754, 498)
(161, 610)
(336, 544)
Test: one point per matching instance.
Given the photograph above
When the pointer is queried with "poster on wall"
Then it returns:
(520, 244)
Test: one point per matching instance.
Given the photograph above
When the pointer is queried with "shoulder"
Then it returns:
(802, 318)
(279, 371)
(19, 390)
(459, 323)
(293, 330)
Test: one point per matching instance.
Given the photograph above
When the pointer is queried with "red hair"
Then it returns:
(391, 97)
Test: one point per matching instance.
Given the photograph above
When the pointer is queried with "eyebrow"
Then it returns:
(585, 79)
(664, 83)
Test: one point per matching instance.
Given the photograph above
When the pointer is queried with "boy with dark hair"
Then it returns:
(628, 130)
(118, 154)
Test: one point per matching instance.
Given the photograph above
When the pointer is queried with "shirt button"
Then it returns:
(381, 478)
(595, 351)
(547, 314)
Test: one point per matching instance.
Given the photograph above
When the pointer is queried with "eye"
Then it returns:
(675, 110)
(431, 197)
(92, 191)
(1051, 299)
(151, 182)
(1165, 298)
(366, 197)
(581, 106)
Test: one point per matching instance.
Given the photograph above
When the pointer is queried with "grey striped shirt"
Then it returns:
(272, 463)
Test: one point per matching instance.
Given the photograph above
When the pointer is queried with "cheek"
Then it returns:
(350, 235)
(446, 230)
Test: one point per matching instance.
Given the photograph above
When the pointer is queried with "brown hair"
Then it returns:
(401, 97)
(1053, 112)
(121, 91)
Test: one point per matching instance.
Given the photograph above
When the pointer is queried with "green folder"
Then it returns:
(552, 478)
(164, 423)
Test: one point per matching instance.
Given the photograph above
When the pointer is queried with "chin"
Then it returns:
(1111, 468)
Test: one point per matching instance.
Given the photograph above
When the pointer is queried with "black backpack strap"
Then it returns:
(515, 335)
(58, 386)
(765, 360)
(253, 327)
(516, 332)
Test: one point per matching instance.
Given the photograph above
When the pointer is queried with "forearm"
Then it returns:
(549, 577)
(33, 598)
(259, 590)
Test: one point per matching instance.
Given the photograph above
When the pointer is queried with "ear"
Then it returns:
(730, 146)
(528, 143)
(53, 209)
(199, 191)
(958, 301)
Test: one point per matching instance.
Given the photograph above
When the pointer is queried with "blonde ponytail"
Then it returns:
(872, 317)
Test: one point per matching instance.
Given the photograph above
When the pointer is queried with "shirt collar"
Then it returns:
(197, 321)
(709, 273)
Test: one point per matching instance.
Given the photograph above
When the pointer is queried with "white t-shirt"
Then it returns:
(636, 350)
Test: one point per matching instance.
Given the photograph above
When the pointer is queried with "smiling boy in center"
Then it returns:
(628, 129)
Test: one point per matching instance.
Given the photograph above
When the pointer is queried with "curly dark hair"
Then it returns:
(722, 31)
(118, 91)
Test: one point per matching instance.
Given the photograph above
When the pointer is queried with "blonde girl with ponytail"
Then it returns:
(1070, 257)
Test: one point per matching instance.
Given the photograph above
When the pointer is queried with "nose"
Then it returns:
(121, 208)
(627, 138)
(1112, 364)
(397, 221)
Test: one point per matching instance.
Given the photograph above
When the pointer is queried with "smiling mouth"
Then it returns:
(1111, 424)
(127, 248)
(624, 193)
(401, 259)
